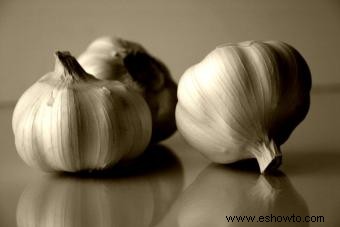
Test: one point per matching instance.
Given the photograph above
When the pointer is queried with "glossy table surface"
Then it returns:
(173, 185)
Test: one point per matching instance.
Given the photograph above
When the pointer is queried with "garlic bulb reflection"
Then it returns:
(219, 192)
(70, 121)
(72, 202)
(136, 197)
(118, 59)
(243, 101)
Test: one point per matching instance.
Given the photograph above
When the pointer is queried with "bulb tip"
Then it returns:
(68, 64)
(268, 156)
(62, 54)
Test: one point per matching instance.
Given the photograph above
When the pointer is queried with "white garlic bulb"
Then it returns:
(119, 59)
(243, 101)
(103, 58)
(70, 121)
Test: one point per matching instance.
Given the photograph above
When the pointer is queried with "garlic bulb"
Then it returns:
(70, 121)
(119, 59)
(243, 101)
(104, 59)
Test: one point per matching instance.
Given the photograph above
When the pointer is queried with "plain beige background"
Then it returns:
(180, 33)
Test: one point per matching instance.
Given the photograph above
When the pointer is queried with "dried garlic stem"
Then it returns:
(267, 155)
(68, 65)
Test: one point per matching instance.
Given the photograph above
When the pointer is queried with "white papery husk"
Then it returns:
(231, 101)
(71, 122)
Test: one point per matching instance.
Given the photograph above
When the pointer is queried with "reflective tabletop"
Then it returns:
(173, 185)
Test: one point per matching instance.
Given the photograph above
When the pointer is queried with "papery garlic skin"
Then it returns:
(114, 58)
(243, 101)
(103, 59)
(70, 121)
